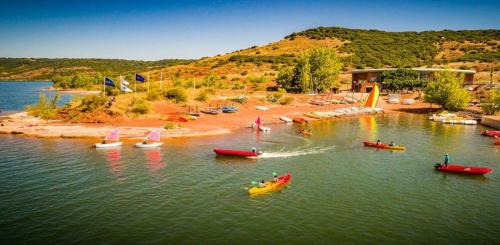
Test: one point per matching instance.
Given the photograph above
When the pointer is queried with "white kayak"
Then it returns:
(148, 145)
(107, 145)
(261, 108)
(286, 119)
(265, 129)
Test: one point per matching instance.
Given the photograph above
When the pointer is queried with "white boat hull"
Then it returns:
(265, 129)
(108, 145)
(286, 119)
(148, 145)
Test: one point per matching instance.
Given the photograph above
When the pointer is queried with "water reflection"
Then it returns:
(369, 125)
(113, 157)
(155, 160)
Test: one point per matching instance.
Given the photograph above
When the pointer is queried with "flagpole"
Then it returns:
(161, 80)
(121, 84)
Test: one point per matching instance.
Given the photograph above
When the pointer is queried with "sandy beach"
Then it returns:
(206, 125)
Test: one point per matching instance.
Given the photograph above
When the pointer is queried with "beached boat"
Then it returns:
(299, 120)
(319, 102)
(462, 169)
(270, 186)
(261, 108)
(152, 140)
(442, 116)
(238, 153)
(190, 117)
(312, 115)
(229, 109)
(286, 119)
(384, 146)
(113, 136)
(210, 110)
(460, 121)
(491, 133)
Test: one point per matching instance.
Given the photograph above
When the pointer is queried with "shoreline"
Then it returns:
(21, 123)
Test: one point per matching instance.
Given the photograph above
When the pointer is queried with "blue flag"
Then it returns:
(109, 82)
(139, 78)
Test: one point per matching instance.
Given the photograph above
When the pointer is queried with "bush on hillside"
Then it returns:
(491, 105)
(45, 108)
(286, 100)
(154, 94)
(139, 107)
(178, 95)
(202, 96)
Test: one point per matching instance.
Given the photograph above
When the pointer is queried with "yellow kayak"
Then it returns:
(313, 115)
(271, 185)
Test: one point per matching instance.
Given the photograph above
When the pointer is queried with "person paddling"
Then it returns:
(262, 184)
(275, 177)
(446, 160)
(379, 142)
(392, 143)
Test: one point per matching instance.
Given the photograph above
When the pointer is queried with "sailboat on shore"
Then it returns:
(113, 136)
(151, 140)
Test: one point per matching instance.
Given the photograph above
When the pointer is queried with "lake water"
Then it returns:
(15, 95)
(60, 191)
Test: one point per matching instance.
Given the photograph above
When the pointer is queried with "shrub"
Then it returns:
(239, 99)
(210, 91)
(45, 108)
(261, 79)
(273, 98)
(153, 94)
(176, 94)
(244, 73)
(286, 100)
(171, 125)
(491, 105)
(91, 102)
(210, 80)
(140, 107)
(202, 96)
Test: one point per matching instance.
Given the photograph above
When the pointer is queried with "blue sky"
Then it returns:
(151, 30)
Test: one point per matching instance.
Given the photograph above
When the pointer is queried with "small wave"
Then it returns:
(314, 150)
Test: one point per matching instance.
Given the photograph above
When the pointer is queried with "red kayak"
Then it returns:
(227, 152)
(384, 146)
(299, 120)
(491, 133)
(462, 169)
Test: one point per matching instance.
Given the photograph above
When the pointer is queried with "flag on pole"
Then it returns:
(123, 81)
(139, 78)
(125, 89)
(109, 82)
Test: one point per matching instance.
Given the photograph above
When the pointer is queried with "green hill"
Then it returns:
(44, 68)
(374, 48)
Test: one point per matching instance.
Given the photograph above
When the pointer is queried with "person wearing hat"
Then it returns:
(275, 177)
(446, 159)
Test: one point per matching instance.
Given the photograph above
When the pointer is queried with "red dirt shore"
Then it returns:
(21, 123)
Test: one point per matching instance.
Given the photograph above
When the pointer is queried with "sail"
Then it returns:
(113, 135)
(373, 97)
(154, 135)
